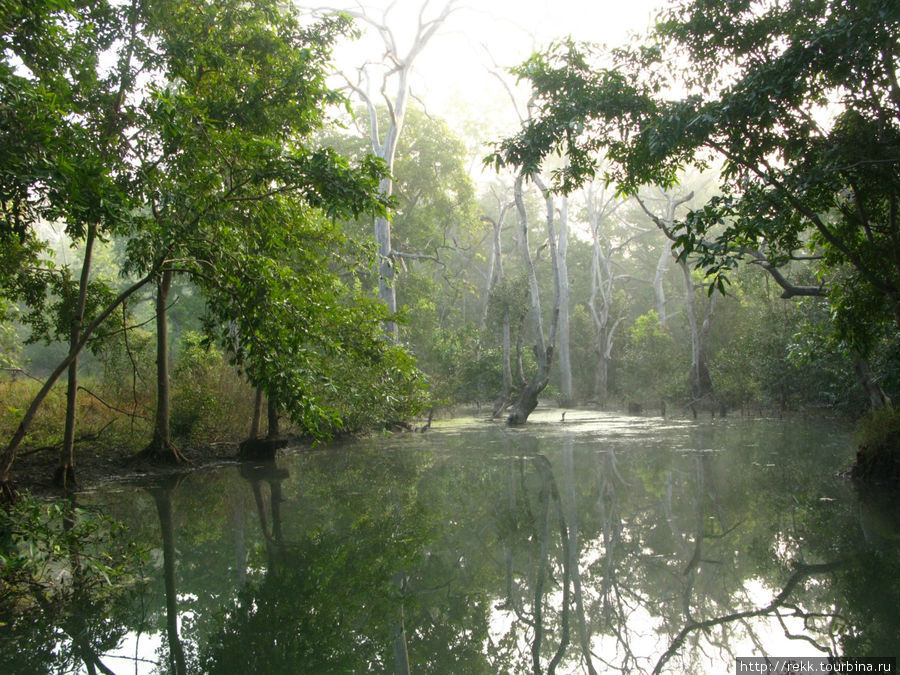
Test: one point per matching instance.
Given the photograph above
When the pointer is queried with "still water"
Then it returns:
(599, 543)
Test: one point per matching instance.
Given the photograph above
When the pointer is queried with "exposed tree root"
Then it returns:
(161, 452)
(8, 493)
(260, 448)
(64, 477)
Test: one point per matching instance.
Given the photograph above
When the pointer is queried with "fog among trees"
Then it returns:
(204, 221)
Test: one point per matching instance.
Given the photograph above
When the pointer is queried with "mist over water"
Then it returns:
(597, 543)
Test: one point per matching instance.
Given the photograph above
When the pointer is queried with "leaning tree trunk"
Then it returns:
(8, 458)
(543, 351)
(65, 471)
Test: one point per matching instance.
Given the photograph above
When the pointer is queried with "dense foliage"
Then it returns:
(186, 150)
(799, 104)
(193, 149)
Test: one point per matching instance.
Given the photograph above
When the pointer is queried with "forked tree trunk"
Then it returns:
(600, 305)
(255, 447)
(543, 350)
(384, 142)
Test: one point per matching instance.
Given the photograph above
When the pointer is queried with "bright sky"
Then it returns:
(452, 74)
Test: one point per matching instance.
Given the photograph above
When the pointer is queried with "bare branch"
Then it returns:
(790, 290)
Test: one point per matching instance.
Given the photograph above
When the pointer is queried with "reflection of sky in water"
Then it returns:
(762, 494)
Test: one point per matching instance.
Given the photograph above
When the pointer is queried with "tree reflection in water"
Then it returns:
(598, 548)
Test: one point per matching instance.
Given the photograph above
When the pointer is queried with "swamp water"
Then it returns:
(598, 544)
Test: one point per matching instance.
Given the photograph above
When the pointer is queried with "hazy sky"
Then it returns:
(452, 75)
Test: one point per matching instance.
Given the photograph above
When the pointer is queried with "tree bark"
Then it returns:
(274, 431)
(565, 362)
(385, 146)
(257, 415)
(701, 382)
(543, 350)
(659, 291)
(65, 471)
(161, 447)
(8, 457)
(601, 300)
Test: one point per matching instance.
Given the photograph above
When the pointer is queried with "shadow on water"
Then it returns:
(591, 544)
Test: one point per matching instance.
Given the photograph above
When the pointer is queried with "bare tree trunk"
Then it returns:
(659, 291)
(8, 457)
(65, 471)
(161, 447)
(565, 361)
(385, 145)
(503, 398)
(701, 382)
(601, 300)
(543, 350)
(495, 270)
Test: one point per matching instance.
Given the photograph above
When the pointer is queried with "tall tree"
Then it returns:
(544, 346)
(76, 109)
(601, 304)
(393, 87)
(700, 379)
(799, 102)
(215, 145)
(562, 271)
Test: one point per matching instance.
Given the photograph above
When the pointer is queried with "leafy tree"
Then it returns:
(204, 164)
(650, 353)
(800, 104)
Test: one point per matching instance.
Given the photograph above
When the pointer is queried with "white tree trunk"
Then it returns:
(659, 291)
(384, 145)
(565, 362)
(543, 350)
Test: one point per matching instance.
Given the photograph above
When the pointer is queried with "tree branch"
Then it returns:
(790, 290)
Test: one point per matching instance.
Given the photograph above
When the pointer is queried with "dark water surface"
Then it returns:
(601, 544)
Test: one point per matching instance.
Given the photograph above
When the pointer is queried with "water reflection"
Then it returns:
(602, 544)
